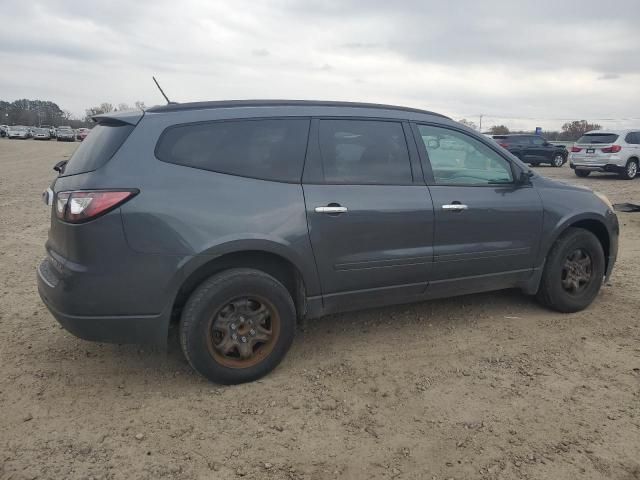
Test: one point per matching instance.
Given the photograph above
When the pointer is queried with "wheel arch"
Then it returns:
(592, 224)
(278, 266)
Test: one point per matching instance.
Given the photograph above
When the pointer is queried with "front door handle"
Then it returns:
(331, 209)
(454, 207)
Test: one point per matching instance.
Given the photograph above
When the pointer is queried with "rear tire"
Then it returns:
(582, 173)
(573, 272)
(630, 170)
(237, 326)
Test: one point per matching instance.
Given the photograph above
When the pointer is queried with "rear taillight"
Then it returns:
(82, 206)
(576, 149)
(612, 149)
(503, 145)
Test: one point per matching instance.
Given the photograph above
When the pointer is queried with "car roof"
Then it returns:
(612, 132)
(174, 107)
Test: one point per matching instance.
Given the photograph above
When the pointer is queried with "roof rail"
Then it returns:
(281, 103)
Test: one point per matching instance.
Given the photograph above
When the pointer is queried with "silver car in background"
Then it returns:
(614, 151)
(18, 131)
(41, 134)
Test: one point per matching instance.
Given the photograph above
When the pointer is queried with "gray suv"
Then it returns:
(236, 218)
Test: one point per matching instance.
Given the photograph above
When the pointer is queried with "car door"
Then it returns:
(487, 223)
(633, 141)
(369, 213)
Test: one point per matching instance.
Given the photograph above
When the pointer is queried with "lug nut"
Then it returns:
(234, 336)
(233, 326)
(244, 339)
(241, 319)
(252, 331)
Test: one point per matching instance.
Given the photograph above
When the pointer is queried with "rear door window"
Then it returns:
(364, 152)
(268, 149)
(598, 138)
(96, 150)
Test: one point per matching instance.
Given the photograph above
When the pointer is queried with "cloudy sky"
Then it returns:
(523, 63)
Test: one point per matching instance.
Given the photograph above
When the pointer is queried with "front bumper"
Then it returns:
(614, 235)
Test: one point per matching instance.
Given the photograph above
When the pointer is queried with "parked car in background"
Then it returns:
(51, 129)
(82, 133)
(3, 130)
(65, 134)
(41, 134)
(18, 131)
(533, 149)
(236, 218)
(613, 151)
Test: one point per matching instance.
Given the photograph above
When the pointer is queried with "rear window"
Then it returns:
(97, 148)
(268, 149)
(598, 138)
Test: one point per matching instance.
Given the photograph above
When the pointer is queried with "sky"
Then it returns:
(522, 64)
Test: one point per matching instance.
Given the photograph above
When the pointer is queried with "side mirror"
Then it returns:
(525, 177)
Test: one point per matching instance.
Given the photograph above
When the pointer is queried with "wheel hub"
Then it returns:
(243, 332)
(576, 271)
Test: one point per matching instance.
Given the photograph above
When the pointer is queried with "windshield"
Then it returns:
(19, 128)
(598, 138)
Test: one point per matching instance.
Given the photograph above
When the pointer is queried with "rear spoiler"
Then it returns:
(119, 118)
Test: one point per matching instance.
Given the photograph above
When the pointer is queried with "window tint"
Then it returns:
(598, 138)
(364, 151)
(538, 141)
(270, 149)
(97, 148)
(633, 138)
(457, 158)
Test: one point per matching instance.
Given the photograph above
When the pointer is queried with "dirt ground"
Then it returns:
(487, 386)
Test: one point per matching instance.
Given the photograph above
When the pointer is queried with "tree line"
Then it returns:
(45, 112)
(570, 132)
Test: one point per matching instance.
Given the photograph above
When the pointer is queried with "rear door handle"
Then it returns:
(331, 209)
(454, 207)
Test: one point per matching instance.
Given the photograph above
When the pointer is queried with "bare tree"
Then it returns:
(468, 123)
(499, 130)
(574, 130)
(102, 108)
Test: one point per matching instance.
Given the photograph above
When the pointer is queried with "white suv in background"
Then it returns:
(616, 151)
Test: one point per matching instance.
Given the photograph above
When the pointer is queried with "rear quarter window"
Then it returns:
(97, 148)
(268, 149)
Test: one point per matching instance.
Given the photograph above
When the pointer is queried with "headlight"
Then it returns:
(604, 198)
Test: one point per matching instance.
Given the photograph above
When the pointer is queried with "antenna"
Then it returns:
(162, 91)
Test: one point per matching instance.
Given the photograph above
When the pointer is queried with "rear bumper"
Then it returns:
(140, 329)
(597, 167)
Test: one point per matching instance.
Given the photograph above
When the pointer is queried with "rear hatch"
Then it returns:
(595, 147)
(75, 175)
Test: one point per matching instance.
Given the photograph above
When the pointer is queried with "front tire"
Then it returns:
(557, 161)
(237, 326)
(630, 170)
(573, 272)
(582, 173)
